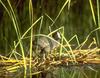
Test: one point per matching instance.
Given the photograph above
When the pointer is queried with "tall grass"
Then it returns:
(96, 23)
(31, 21)
(15, 24)
(61, 29)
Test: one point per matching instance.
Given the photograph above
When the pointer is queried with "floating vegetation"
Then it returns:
(84, 58)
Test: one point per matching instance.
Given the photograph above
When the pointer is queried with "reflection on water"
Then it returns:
(83, 71)
(79, 72)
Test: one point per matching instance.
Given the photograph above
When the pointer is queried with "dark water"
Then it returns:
(82, 71)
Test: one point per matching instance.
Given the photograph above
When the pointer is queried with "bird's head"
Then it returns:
(56, 36)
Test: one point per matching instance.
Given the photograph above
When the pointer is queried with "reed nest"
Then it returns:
(79, 58)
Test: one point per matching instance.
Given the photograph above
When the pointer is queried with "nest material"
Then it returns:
(79, 58)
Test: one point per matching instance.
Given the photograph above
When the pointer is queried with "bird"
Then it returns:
(42, 45)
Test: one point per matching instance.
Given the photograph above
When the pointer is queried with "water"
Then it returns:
(81, 71)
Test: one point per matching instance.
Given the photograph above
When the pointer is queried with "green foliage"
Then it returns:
(77, 20)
